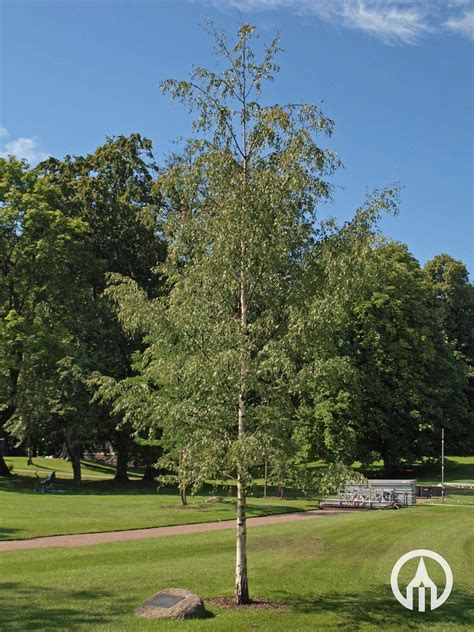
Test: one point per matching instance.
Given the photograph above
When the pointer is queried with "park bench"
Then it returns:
(47, 485)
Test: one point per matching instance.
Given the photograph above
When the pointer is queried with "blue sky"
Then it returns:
(395, 75)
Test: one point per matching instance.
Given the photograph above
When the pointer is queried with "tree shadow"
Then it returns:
(35, 609)
(379, 608)
(44, 467)
(25, 484)
(18, 483)
(106, 469)
(22, 483)
(6, 532)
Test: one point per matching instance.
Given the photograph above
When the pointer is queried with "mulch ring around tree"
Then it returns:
(257, 603)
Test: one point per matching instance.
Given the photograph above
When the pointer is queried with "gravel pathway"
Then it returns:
(89, 539)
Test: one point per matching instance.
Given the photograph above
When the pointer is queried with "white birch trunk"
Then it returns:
(241, 574)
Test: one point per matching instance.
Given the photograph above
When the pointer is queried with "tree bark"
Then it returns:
(265, 478)
(29, 451)
(149, 474)
(182, 495)
(391, 465)
(241, 572)
(75, 456)
(122, 449)
(4, 417)
(4, 471)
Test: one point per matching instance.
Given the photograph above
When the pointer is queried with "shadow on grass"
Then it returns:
(22, 483)
(37, 466)
(26, 608)
(104, 468)
(380, 609)
(6, 533)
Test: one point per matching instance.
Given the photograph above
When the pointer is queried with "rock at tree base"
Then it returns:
(172, 603)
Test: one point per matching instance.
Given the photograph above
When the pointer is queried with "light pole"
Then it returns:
(442, 464)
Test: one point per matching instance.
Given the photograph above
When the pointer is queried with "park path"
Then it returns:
(90, 539)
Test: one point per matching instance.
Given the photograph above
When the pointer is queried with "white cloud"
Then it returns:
(463, 24)
(22, 148)
(391, 21)
(386, 21)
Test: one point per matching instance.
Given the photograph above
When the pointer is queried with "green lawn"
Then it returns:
(106, 506)
(102, 505)
(332, 574)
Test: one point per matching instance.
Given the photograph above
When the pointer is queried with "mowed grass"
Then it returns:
(107, 506)
(102, 505)
(332, 573)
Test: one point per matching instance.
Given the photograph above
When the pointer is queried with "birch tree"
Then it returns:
(238, 219)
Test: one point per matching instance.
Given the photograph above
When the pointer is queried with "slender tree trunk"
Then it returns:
(64, 453)
(182, 478)
(182, 494)
(122, 449)
(265, 478)
(75, 457)
(241, 572)
(29, 451)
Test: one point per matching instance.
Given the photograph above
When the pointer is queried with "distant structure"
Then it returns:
(375, 494)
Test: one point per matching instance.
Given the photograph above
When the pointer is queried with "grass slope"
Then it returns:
(332, 573)
(102, 505)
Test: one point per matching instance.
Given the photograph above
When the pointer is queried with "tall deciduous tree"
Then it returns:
(112, 191)
(238, 218)
(383, 380)
(42, 260)
(454, 296)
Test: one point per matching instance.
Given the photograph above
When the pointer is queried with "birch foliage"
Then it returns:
(238, 219)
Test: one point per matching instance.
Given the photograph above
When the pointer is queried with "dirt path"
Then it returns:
(89, 539)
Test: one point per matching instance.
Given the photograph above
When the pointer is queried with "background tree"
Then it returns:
(454, 297)
(383, 381)
(112, 191)
(43, 261)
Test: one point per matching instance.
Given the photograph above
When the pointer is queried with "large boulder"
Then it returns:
(172, 603)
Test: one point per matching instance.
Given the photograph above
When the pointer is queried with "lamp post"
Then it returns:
(442, 464)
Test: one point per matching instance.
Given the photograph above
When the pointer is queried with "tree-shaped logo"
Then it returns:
(422, 581)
